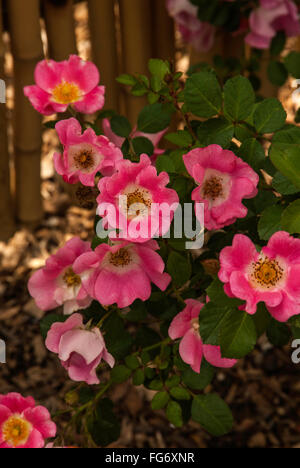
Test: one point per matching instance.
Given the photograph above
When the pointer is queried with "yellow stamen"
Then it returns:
(16, 431)
(121, 258)
(66, 93)
(267, 273)
(71, 279)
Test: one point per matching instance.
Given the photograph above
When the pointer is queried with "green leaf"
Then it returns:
(261, 319)
(181, 138)
(203, 95)
(172, 381)
(118, 340)
(180, 393)
(154, 118)
(200, 381)
(237, 335)
(217, 131)
(217, 295)
(138, 377)
(269, 116)
(132, 362)
(120, 374)
(278, 333)
(126, 80)
(278, 43)
(270, 222)
(174, 414)
(285, 158)
(103, 425)
(211, 319)
(120, 126)
(292, 63)
(289, 134)
(165, 163)
(277, 73)
(212, 413)
(138, 312)
(239, 98)
(252, 153)
(179, 268)
(159, 68)
(142, 145)
(282, 185)
(156, 384)
(160, 400)
(47, 322)
(290, 220)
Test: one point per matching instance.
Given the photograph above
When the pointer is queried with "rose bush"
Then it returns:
(264, 25)
(148, 308)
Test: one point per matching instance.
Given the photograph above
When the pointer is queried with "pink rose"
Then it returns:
(223, 180)
(270, 276)
(80, 350)
(22, 423)
(59, 85)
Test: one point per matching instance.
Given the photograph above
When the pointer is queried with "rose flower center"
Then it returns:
(121, 258)
(267, 273)
(16, 431)
(84, 159)
(213, 188)
(71, 279)
(137, 203)
(66, 93)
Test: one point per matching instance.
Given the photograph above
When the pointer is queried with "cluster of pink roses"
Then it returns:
(121, 271)
(264, 22)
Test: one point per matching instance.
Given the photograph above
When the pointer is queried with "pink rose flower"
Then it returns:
(199, 34)
(122, 273)
(56, 284)
(155, 138)
(136, 201)
(224, 180)
(191, 349)
(270, 276)
(22, 423)
(85, 154)
(80, 350)
(272, 16)
(61, 84)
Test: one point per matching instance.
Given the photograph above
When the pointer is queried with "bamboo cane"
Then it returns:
(24, 23)
(60, 27)
(164, 32)
(136, 45)
(102, 23)
(6, 208)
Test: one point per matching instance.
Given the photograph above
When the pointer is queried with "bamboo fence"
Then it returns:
(124, 35)
(6, 211)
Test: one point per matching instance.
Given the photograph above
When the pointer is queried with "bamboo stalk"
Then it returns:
(102, 23)
(24, 23)
(7, 225)
(136, 45)
(164, 32)
(60, 27)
